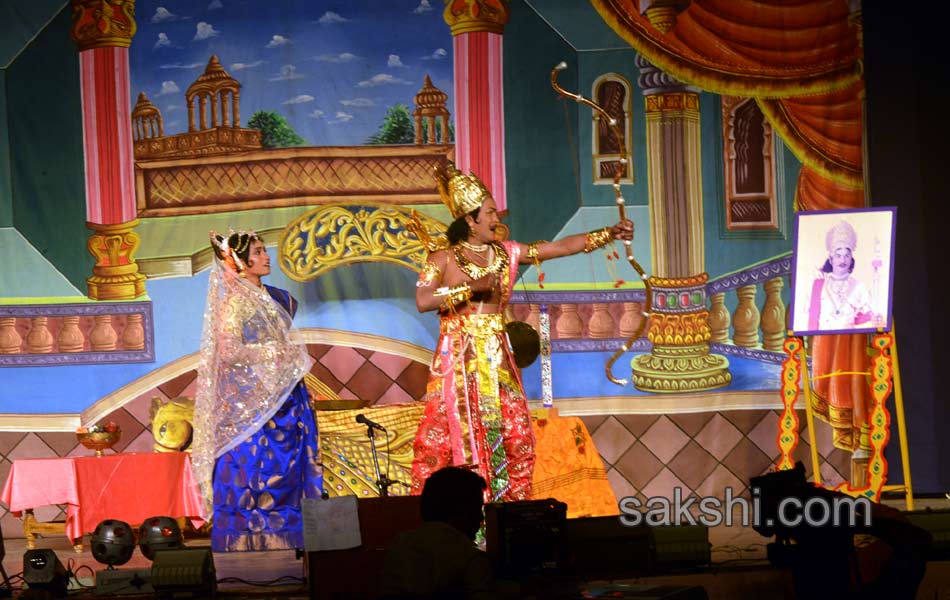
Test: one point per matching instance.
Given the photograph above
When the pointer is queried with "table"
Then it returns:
(129, 487)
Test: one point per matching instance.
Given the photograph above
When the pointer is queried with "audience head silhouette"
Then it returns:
(454, 495)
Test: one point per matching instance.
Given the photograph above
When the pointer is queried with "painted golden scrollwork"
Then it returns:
(336, 235)
(103, 23)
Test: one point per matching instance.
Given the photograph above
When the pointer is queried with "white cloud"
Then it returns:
(330, 17)
(162, 14)
(423, 7)
(172, 107)
(336, 58)
(181, 66)
(301, 99)
(315, 113)
(169, 87)
(438, 54)
(358, 103)
(278, 40)
(242, 66)
(286, 73)
(163, 42)
(382, 79)
(341, 117)
(172, 125)
(204, 31)
(215, 5)
(394, 61)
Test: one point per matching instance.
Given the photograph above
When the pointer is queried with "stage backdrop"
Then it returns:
(261, 116)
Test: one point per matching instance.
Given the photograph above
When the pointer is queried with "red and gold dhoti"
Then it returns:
(476, 413)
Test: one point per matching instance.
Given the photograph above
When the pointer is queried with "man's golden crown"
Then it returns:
(460, 193)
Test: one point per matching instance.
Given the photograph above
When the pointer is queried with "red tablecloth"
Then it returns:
(128, 487)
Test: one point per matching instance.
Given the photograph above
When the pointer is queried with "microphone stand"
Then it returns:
(382, 481)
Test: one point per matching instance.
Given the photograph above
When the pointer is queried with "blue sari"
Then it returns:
(259, 484)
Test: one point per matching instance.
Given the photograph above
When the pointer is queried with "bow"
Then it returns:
(618, 172)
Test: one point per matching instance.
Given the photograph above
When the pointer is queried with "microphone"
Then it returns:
(361, 418)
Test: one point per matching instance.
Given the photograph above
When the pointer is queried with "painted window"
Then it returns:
(612, 92)
(749, 161)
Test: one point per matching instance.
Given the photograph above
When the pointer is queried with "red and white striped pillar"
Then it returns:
(103, 32)
(477, 27)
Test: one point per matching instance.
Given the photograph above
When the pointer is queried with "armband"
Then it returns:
(597, 239)
(430, 272)
(454, 296)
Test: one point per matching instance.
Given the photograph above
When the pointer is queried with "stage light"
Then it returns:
(159, 533)
(42, 570)
(113, 542)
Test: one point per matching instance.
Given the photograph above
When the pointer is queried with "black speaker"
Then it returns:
(184, 572)
(43, 570)
(937, 522)
(605, 548)
(527, 537)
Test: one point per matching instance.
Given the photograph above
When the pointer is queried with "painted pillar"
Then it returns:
(477, 27)
(103, 31)
(680, 360)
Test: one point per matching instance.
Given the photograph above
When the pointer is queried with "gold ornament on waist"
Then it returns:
(497, 264)
(460, 193)
(597, 239)
(430, 272)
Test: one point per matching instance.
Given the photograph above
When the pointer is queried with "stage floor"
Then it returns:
(739, 570)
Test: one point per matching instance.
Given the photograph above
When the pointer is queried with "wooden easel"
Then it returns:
(885, 374)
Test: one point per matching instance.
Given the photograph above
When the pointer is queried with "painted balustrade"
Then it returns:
(86, 333)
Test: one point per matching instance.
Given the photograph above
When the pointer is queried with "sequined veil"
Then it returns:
(248, 367)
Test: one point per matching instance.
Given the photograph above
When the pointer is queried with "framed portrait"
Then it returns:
(843, 271)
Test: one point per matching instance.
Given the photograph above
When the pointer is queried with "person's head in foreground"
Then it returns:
(454, 495)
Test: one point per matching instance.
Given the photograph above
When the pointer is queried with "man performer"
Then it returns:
(476, 414)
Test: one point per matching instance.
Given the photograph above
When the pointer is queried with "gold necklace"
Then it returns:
(497, 264)
(473, 247)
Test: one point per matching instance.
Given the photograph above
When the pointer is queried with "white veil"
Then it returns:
(248, 367)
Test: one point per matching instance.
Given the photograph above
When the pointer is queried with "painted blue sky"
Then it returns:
(331, 68)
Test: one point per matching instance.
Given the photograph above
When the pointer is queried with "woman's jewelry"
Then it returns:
(454, 296)
(430, 272)
(597, 239)
(497, 262)
(473, 247)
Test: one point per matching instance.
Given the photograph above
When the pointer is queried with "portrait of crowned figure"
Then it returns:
(838, 299)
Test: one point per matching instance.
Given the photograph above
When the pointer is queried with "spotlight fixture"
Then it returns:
(113, 542)
(43, 570)
(159, 533)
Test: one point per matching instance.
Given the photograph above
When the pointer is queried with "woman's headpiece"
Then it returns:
(230, 256)
(841, 235)
(460, 193)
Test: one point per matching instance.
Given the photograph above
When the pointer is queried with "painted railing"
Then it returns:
(81, 333)
(596, 321)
